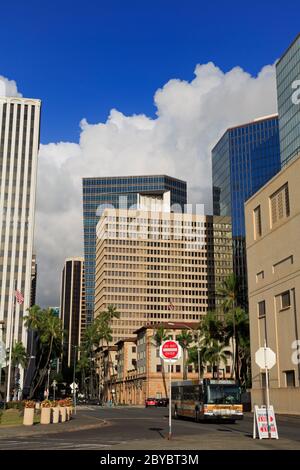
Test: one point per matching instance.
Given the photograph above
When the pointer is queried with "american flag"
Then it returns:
(19, 297)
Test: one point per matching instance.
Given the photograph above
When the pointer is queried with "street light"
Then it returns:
(198, 343)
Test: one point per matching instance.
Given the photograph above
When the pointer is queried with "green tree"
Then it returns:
(104, 321)
(228, 291)
(185, 339)
(82, 367)
(48, 328)
(215, 354)
(18, 358)
(91, 340)
(237, 326)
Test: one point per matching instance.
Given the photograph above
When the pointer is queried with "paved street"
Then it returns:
(139, 428)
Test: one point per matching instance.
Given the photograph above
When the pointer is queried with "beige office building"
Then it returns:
(273, 259)
(19, 144)
(158, 266)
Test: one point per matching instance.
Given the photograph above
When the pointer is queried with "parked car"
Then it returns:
(162, 401)
(150, 402)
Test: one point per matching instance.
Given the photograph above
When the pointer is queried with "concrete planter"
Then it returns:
(55, 415)
(62, 413)
(45, 415)
(28, 416)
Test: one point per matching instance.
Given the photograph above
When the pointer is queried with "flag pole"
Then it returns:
(11, 335)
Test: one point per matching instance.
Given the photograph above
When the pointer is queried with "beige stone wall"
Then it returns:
(159, 266)
(273, 259)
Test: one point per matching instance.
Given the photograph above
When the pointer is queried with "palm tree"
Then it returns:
(104, 322)
(106, 336)
(33, 323)
(211, 327)
(18, 358)
(109, 315)
(215, 354)
(184, 339)
(193, 357)
(161, 335)
(82, 367)
(237, 326)
(49, 331)
(228, 291)
(91, 340)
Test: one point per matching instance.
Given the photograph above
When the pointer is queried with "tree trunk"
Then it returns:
(44, 371)
(184, 361)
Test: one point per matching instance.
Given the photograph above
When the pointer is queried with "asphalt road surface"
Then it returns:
(139, 428)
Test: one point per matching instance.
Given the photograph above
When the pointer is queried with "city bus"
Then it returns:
(208, 400)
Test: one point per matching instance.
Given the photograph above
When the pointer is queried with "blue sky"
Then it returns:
(84, 58)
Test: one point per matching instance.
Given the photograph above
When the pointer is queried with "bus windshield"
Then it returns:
(227, 394)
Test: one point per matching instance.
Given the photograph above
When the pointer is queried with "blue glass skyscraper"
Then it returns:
(118, 192)
(288, 97)
(243, 160)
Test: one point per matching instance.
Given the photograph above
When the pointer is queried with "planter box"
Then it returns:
(45, 415)
(55, 415)
(28, 416)
(62, 413)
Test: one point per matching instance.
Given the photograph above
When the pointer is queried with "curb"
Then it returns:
(54, 431)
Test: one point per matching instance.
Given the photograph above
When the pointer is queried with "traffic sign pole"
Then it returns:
(170, 351)
(267, 388)
(170, 403)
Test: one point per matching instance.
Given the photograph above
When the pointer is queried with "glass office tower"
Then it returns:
(119, 192)
(288, 97)
(243, 160)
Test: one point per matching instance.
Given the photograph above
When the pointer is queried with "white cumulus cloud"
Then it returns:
(190, 118)
(8, 87)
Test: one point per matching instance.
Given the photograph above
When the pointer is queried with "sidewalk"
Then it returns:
(79, 422)
(209, 442)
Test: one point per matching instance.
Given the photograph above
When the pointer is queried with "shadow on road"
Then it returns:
(158, 430)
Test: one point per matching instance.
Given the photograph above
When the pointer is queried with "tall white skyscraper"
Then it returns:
(19, 144)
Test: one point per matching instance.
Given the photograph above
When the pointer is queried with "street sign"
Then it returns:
(2, 353)
(73, 386)
(265, 358)
(170, 351)
(265, 423)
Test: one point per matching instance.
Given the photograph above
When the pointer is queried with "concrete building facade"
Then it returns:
(273, 258)
(139, 369)
(72, 309)
(159, 266)
(19, 144)
(118, 192)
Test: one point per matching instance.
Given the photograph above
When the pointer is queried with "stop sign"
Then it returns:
(170, 350)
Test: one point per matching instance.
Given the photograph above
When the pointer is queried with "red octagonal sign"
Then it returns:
(170, 350)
